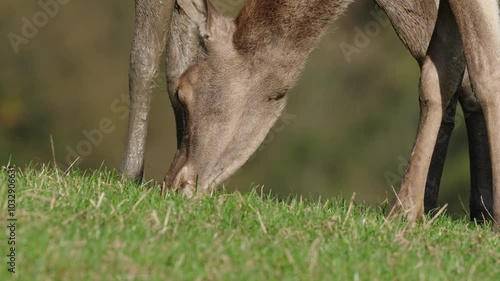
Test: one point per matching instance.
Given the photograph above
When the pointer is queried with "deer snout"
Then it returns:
(180, 180)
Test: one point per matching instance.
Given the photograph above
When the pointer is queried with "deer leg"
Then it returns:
(438, 157)
(480, 202)
(442, 71)
(479, 25)
(151, 29)
(414, 22)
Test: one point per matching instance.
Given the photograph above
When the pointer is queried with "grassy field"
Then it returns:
(96, 227)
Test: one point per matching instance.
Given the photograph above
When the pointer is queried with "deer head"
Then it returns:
(228, 79)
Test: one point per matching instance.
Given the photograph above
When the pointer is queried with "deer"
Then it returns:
(228, 79)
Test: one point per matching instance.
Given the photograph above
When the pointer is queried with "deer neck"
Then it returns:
(283, 32)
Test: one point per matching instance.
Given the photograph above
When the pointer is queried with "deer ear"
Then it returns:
(200, 12)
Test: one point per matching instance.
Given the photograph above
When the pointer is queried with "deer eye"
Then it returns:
(277, 96)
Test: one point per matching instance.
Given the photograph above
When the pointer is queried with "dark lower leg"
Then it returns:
(480, 202)
(438, 157)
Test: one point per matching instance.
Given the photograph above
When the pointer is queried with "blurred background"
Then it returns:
(349, 126)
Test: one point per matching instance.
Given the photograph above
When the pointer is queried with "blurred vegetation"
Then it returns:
(350, 123)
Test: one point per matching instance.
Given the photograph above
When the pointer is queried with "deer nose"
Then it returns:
(180, 181)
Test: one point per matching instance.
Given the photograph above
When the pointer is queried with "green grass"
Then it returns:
(96, 227)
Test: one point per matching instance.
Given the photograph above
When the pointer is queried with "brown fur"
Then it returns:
(297, 24)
